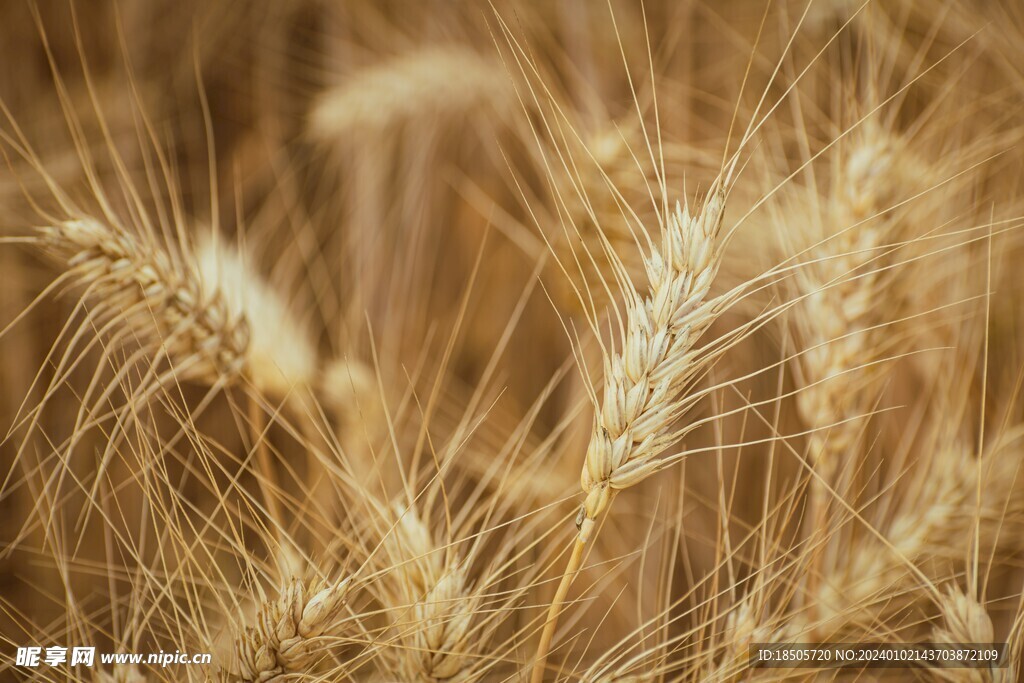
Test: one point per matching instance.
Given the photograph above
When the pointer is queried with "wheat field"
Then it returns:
(509, 340)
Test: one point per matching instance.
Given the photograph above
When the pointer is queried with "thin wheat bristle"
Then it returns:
(595, 195)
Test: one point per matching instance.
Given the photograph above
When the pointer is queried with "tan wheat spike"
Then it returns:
(841, 326)
(128, 673)
(433, 605)
(644, 382)
(281, 356)
(291, 633)
(760, 615)
(965, 620)
(213, 319)
(164, 305)
(944, 508)
(746, 624)
(421, 84)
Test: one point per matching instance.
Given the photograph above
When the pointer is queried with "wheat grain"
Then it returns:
(745, 625)
(642, 383)
(213, 321)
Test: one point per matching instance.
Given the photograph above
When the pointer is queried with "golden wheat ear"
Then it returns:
(124, 673)
(151, 298)
(854, 262)
(213, 319)
(965, 620)
(432, 603)
(292, 633)
(281, 358)
(645, 380)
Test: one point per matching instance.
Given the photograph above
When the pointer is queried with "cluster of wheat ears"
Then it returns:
(455, 341)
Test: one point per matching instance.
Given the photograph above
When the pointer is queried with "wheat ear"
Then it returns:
(162, 304)
(843, 326)
(412, 86)
(120, 674)
(433, 592)
(288, 635)
(644, 383)
(213, 321)
(944, 508)
(281, 357)
(965, 620)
